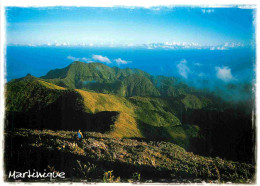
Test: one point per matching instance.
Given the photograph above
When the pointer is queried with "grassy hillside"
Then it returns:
(30, 93)
(168, 110)
(125, 125)
(124, 82)
(137, 85)
(145, 117)
(100, 158)
(57, 108)
(100, 78)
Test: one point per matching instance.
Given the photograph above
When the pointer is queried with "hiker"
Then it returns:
(80, 136)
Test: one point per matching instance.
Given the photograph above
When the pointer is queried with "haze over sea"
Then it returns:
(229, 72)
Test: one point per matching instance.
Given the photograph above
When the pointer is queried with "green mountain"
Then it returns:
(100, 78)
(44, 105)
(124, 82)
(129, 103)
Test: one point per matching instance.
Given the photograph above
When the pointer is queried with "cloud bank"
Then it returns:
(79, 59)
(183, 68)
(99, 58)
(73, 58)
(207, 11)
(224, 73)
(120, 61)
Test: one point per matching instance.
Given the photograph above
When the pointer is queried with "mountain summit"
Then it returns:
(124, 82)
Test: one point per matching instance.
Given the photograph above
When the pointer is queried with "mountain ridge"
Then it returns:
(33, 102)
(129, 113)
(104, 79)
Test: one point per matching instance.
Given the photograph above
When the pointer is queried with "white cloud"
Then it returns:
(221, 48)
(198, 64)
(208, 11)
(98, 58)
(86, 59)
(79, 59)
(121, 61)
(183, 68)
(156, 8)
(73, 58)
(224, 73)
(102, 59)
(218, 48)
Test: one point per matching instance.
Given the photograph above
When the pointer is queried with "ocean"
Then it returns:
(204, 68)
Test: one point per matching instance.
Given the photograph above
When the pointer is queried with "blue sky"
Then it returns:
(129, 26)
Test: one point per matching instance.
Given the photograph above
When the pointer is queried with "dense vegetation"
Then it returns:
(129, 103)
(124, 82)
(101, 158)
(142, 117)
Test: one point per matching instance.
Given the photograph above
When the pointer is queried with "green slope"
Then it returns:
(142, 117)
(124, 82)
(30, 93)
(92, 76)
(129, 103)
(137, 85)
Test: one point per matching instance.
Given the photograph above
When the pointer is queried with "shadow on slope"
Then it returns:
(66, 113)
(228, 134)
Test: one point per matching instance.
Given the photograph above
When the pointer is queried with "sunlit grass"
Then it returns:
(50, 85)
(96, 102)
(126, 126)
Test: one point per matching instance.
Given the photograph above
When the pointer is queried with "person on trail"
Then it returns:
(80, 136)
